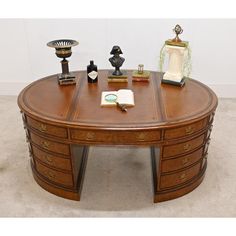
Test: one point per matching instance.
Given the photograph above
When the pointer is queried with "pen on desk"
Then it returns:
(122, 107)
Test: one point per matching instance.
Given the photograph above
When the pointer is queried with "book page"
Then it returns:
(125, 96)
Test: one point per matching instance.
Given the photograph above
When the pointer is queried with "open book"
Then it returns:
(122, 96)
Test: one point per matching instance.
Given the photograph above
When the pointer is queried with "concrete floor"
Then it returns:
(118, 181)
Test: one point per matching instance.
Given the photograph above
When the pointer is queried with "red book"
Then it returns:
(140, 79)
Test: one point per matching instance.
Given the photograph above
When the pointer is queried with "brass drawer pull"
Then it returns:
(211, 127)
(45, 144)
(30, 148)
(185, 161)
(90, 136)
(23, 118)
(182, 177)
(211, 117)
(42, 127)
(50, 175)
(142, 136)
(189, 130)
(48, 159)
(27, 137)
(187, 147)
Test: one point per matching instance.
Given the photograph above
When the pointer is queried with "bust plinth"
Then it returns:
(175, 68)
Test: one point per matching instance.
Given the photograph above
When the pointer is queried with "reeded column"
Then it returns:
(175, 67)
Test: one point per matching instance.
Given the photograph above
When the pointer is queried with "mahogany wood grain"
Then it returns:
(47, 129)
(182, 148)
(185, 130)
(49, 145)
(55, 189)
(54, 176)
(173, 164)
(170, 180)
(61, 122)
(52, 160)
(77, 106)
(161, 196)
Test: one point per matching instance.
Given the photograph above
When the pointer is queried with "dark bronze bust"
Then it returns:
(116, 61)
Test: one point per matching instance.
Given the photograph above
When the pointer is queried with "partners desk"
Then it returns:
(61, 122)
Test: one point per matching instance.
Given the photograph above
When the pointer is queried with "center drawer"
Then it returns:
(116, 137)
(181, 148)
(49, 145)
(52, 160)
(54, 176)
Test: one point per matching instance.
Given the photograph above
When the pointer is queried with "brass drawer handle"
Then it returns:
(206, 156)
(185, 161)
(211, 127)
(208, 134)
(50, 175)
(142, 136)
(90, 136)
(189, 130)
(30, 148)
(23, 117)
(42, 127)
(211, 117)
(27, 137)
(45, 144)
(182, 177)
(48, 159)
(187, 147)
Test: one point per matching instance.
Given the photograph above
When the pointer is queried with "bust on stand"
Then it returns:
(117, 61)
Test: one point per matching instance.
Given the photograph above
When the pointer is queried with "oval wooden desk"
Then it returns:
(61, 122)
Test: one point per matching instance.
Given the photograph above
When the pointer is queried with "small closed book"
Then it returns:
(143, 77)
(122, 96)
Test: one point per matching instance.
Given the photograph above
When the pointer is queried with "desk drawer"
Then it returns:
(171, 180)
(50, 145)
(181, 162)
(54, 176)
(46, 128)
(117, 137)
(182, 148)
(185, 130)
(52, 160)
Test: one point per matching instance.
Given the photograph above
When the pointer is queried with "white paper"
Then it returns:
(124, 96)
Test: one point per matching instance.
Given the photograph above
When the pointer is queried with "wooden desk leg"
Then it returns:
(155, 157)
(79, 161)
